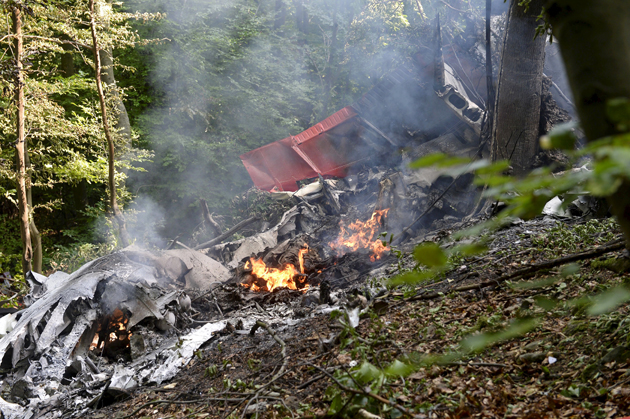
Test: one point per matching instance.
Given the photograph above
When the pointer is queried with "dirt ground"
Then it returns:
(568, 365)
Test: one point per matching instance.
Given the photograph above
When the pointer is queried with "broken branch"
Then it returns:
(228, 233)
(598, 251)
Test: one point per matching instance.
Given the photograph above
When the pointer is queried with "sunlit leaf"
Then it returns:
(439, 160)
(471, 249)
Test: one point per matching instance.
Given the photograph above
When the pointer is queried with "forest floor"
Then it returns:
(568, 365)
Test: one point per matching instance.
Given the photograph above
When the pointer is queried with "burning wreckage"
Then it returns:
(136, 317)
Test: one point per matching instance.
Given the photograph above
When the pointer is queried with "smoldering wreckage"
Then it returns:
(136, 317)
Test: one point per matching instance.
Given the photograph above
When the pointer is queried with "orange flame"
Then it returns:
(360, 235)
(276, 277)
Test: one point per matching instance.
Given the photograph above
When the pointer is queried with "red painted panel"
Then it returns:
(282, 163)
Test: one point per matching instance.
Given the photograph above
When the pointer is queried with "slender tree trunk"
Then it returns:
(301, 16)
(122, 125)
(36, 237)
(517, 110)
(120, 220)
(594, 37)
(27, 255)
(67, 60)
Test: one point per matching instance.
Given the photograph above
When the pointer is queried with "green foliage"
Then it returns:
(562, 238)
(10, 246)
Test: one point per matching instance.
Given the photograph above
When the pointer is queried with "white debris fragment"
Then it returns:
(7, 323)
(353, 316)
(11, 410)
(123, 379)
(178, 356)
(552, 360)
(554, 207)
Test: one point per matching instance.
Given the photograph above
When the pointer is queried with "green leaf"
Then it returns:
(430, 255)
(411, 278)
(561, 137)
(618, 110)
(570, 269)
(518, 327)
(398, 369)
(367, 373)
(439, 160)
(545, 303)
(471, 249)
(335, 405)
(609, 300)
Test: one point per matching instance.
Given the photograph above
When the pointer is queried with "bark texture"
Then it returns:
(517, 117)
(36, 237)
(27, 250)
(594, 37)
(120, 220)
(123, 126)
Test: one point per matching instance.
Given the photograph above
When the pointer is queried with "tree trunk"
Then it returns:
(594, 39)
(27, 255)
(120, 220)
(67, 59)
(123, 126)
(36, 237)
(517, 117)
(301, 16)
